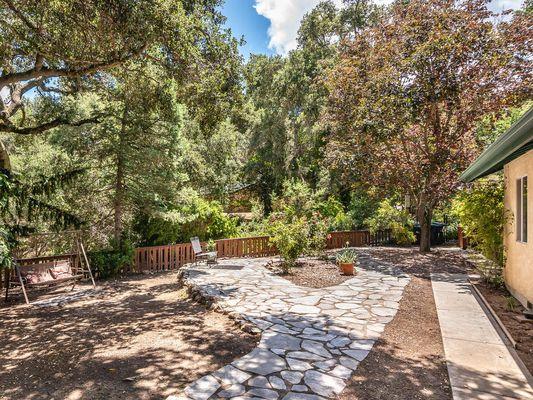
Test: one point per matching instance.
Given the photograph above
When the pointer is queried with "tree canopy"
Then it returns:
(142, 123)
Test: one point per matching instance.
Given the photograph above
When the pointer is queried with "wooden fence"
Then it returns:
(171, 257)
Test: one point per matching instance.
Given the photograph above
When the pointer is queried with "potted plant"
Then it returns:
(346, 260)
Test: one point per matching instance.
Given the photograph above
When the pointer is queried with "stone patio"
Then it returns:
(312, 340)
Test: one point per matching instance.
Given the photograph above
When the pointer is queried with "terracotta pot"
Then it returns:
(347, 268)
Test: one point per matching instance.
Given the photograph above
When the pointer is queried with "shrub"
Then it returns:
(291, 240)
(5, 249)
(318, 232)
(398, 221)
(110, 262)
(482, 214)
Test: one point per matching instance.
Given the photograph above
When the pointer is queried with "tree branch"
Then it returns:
(38, 71)
(46, 126)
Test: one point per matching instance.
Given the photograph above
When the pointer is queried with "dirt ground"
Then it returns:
(140, 339)
(312, 272)
(408, 360)
(520, 330)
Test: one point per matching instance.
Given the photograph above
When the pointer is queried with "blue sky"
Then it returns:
(244, 20)
(271, 26)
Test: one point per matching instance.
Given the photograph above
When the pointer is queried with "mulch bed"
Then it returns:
(407, 362)
(142, 339)
(521, 331)
(312, 272)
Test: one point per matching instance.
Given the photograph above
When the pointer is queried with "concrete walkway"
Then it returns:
(480, 365)
(312, 340)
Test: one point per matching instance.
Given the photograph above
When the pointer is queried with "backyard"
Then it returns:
(144, 338)
(266, 199)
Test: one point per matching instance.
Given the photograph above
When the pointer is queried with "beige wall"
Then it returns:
(519, 265)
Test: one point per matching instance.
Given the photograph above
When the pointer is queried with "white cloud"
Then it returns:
(285, 17)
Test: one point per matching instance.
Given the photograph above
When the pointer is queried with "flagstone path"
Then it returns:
(312, 340)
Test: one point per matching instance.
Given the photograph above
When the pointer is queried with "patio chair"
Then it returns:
(199, 254)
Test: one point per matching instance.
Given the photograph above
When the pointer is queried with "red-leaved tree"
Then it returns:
(407, 93)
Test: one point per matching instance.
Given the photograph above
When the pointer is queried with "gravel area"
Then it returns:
(140, 339)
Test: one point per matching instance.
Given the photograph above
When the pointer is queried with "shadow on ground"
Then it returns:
(141, 340)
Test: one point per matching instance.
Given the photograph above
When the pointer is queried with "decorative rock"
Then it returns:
(341, 371)
(340, 342)
(300, 388)
(305, 355)
(229, 375)
(319, 338)
(283, 341)
(292, 377)
(202, 388)
(277, 383)
(301, 396)
(359, 355)
(263, 393)
(312, 331)
(326, 364)
(261, 362)
(232, 391)
(349, 362)
(315, 347)
(298, 365)
(259, 381)
(323, 384)
(301, 309)
(362, 344)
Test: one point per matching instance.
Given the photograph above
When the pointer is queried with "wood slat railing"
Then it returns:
(171, 257)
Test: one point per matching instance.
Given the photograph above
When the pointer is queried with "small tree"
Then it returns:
(291, 240)
(482, 214)
(406, 95)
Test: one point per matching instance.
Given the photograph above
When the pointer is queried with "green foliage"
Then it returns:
(109, 263)
(511, 304)
(291, 240)
(6, 243)
(191, 216)
(416, 135)
(298, 202)
(346, 256)
(398, 221)
(481, 212)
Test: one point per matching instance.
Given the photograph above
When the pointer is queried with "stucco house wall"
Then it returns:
(518, 270)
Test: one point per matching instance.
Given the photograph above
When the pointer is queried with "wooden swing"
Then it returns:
(50, 272)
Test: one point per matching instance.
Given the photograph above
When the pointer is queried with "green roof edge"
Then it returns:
(507, 147)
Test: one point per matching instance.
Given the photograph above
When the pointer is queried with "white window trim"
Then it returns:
(520, 223)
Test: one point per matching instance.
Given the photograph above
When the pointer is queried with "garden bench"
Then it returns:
(43, 276)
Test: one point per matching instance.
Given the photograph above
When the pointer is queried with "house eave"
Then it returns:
(510, 145)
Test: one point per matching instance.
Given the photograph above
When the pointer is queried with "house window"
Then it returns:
(521, 209)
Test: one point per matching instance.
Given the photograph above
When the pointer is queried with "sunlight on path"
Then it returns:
(479, 363)
(312, 339)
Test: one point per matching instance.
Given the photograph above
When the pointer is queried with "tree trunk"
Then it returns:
(118, 202)
(424, 219)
